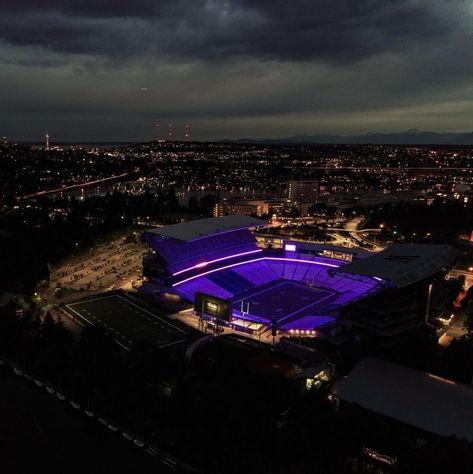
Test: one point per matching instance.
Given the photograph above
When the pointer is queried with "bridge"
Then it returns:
(353, 231)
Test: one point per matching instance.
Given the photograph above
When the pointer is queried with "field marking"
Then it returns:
(263, 291)
(126, 303)
(92, 324)
(305, 307)
(124, 347)
(92, 299)
(150, 313)
(80, 315)
(172, 343)
(294, 284)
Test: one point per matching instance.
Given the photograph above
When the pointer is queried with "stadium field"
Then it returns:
(284, 300)
(129, 321)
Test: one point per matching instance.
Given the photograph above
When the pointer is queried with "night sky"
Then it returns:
(107, 70)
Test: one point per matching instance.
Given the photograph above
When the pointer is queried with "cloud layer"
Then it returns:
(109, 69)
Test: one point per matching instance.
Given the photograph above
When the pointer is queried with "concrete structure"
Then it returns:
(296, 289)
(229, 208)
(417, 398)
(398, 315)
(198, 228)
(405, 264)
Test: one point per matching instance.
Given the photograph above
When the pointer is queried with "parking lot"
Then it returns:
(107, 266)
(129, 321)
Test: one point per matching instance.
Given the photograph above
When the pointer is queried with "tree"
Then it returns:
(207, 204)
(193, 204)
(468, 324)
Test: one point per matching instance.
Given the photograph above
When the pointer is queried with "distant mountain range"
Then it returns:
(410, 137)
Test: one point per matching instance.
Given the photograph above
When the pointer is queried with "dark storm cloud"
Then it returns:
(84, 8)
(335, 31)
(107, 70)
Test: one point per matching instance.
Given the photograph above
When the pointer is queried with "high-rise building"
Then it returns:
(303, 191)
(46, 137)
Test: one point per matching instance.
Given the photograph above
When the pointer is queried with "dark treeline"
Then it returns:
(217, 414)
(42, 232)
(94, 372)
(441, 222)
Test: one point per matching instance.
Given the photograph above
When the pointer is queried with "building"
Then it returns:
(404, 305)
(405, 420)
(304, 191)
(295, 290)
(291, 290)
(231, 207)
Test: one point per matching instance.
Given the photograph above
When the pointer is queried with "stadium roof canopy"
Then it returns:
(200, 228)
(404, 264)
(314, 246)
(417, 398)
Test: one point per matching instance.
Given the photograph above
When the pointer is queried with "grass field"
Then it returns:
(129, 321)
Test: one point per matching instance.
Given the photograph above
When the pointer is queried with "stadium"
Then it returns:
(217, 265)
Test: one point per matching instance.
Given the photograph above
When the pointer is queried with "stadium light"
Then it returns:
(221, 259)
(311, 262)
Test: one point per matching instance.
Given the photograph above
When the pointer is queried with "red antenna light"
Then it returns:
(170, 135)
(187, 133)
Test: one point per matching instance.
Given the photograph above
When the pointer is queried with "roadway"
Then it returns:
(74, 186)
(352, 227)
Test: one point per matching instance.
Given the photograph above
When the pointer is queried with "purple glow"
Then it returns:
(312, 292)
(307, 324)
(290, 248)
(283, 259)
(204, 264)
(183, 255)
(303, 300)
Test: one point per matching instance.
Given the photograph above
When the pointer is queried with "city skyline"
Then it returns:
(102, 71)
(236, 236)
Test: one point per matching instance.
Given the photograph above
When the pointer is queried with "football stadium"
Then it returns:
(217, 265)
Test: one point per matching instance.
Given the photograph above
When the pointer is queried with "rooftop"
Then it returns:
(200, 228)
(417, 398)
(404, 264)
(357, 252)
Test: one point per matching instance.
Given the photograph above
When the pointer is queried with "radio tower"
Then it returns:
(187, 133)
(47, 140)
(157, 131)
(170, 136)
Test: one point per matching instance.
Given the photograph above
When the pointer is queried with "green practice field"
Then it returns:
(129, 321)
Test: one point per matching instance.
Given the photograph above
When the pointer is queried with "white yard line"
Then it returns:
(152, 314)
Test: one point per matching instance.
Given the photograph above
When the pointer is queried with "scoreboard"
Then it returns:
(208, 305)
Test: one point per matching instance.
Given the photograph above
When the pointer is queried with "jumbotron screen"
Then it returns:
(212, 306)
